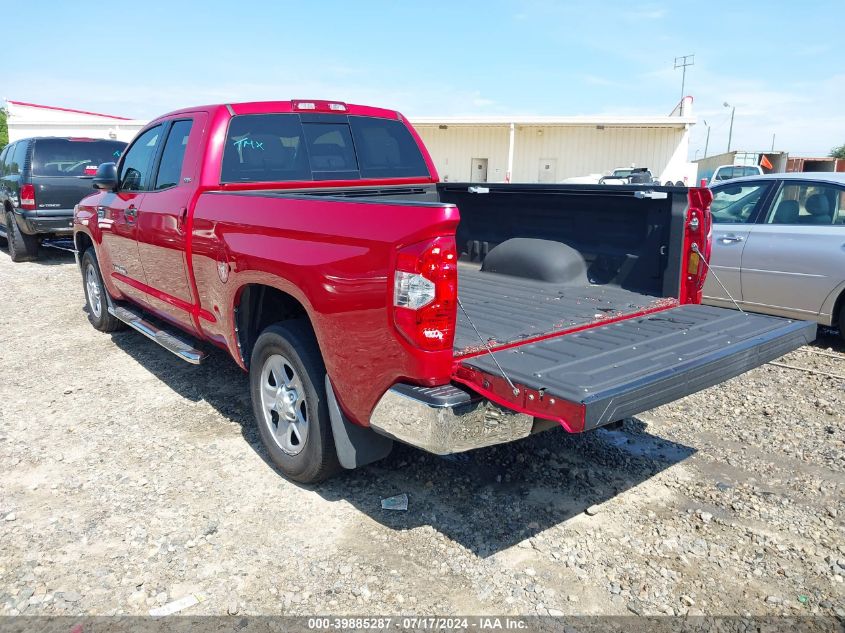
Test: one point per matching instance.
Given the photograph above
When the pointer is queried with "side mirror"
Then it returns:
(106, 177)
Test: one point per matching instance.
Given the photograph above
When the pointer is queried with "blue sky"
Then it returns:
(776, 61)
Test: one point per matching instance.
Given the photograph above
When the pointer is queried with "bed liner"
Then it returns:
(507, 309)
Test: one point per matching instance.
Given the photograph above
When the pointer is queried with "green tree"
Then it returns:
(4, 128)
(838, 152)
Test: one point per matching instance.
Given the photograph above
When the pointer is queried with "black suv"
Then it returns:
(41, 180)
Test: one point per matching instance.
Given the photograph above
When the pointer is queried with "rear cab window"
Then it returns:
(59, 157)
(314, 147)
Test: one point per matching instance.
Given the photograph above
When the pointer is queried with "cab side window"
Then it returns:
(138, 161)
(736, 203)
(173, 155)
(3, 155)
(840, 217)
(15, 165)
(806, 204)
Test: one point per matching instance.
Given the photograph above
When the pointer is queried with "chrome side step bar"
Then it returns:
(171, 342)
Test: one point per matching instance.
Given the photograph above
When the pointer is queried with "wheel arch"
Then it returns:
(82, 242)
(259, 305)
(838, 307)
(833, 306)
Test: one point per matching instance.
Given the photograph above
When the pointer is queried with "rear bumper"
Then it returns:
(53, 221)
(446, 419)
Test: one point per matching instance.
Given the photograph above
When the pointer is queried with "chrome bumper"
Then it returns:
(445, 420)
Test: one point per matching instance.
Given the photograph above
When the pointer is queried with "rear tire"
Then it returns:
(22, 247)
(95, 295)
(287, 385)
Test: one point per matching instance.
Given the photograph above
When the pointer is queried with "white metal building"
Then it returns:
(32, 119)
(478, 149)
(549, 149)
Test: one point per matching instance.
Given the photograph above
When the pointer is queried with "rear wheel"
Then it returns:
(95, 295)
(287, 385)
(22, 247)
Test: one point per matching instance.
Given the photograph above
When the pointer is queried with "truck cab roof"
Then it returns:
(292, 106)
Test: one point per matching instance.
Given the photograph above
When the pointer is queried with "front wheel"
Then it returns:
(95, 295)
(287, 385)
(22, 247)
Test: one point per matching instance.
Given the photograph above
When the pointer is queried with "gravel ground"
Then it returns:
(130, 479)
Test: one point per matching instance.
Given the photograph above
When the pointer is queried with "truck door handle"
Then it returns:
(130, 214)
(180, 220)
(727, 239)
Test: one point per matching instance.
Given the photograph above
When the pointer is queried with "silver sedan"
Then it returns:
(779, 246)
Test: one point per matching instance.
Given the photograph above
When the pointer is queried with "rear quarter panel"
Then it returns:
(336, 257)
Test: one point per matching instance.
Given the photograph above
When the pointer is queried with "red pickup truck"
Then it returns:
(371, 303)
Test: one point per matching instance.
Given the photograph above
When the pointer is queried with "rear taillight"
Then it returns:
(698, 229)
(425, 293)
(28, 197)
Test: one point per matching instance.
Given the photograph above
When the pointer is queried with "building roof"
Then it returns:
(71, 110)
(558, 121)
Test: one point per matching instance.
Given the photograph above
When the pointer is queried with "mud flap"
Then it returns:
(607, 373)
(356, 445)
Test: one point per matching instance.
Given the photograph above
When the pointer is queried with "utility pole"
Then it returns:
(731, 129)
(773, 142)
(707, 142)
(682, 63)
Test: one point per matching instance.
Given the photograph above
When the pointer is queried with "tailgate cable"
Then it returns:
(489, 350)
(712, 272)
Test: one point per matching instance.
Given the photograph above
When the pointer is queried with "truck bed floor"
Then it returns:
(508, 309)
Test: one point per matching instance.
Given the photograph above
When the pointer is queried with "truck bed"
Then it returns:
(629, 243)
(507, 309)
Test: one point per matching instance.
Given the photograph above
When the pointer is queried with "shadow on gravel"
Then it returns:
(829, 338)
(490, 499)
(46, 256)
(486, 500)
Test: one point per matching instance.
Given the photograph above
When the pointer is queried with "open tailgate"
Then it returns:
(609, 372)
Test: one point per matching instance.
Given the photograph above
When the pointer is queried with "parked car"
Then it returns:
(779, 246)
(313, 242)
(629, 176)
(729, 172)
(619, 176)
(41, 179)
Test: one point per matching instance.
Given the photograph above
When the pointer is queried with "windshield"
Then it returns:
(290, 147)
(73, 157)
